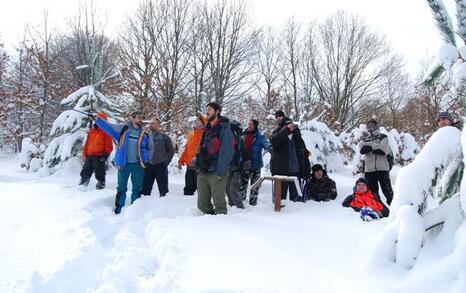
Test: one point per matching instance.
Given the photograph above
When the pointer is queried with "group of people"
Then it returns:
(222, 159)
(142, 155)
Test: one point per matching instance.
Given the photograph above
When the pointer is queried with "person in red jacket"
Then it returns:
(96, 150)
(364, 200)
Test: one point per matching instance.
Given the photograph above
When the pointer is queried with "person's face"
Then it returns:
(361, 187)
(319, 174)
(279, 119)
(211, 113)
(137, 120)
(371, 127)
(251, 126)
(155, 125)
(442, 122)
(198, 124)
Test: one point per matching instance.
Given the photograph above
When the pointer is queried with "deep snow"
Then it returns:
(56, 238)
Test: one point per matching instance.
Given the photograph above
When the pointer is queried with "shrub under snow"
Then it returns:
(325, 147)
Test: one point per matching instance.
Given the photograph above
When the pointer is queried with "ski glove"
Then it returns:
(378, 152)
(366, 149)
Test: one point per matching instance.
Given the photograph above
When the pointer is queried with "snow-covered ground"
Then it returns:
(56, 238)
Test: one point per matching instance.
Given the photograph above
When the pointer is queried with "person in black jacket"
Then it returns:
(321, 187)
(289, 154)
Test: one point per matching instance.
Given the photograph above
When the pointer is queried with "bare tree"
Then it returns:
(47, 72)
(87, 47)
(349, 65)
(395, 90)
(199, 59)
(269, 83)
(309, 100)
(172, 47)
(20, 101)
(291, 52)
(232, 44)
(137, 55)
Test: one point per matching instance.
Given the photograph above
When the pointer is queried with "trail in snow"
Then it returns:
(60, 239)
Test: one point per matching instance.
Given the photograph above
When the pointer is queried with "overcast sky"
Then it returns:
(408, 24)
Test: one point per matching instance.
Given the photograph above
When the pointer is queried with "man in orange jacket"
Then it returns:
(190, 150)
(98, 147)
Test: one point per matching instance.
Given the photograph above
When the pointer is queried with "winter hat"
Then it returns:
(372, 125)
(444, 115)
(136, 113)
(279, 113)
(256, 123)
(361, 180)
(214, 106)
(203, 119)
(317, 167)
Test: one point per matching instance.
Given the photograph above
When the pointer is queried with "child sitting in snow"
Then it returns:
(364, 201)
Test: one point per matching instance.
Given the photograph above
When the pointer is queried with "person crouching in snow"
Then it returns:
(321, 187)
(364, 201)
(96, 150)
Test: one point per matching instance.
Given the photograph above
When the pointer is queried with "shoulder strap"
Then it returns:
(122, 132)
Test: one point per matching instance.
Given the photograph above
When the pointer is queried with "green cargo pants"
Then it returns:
(210, 188)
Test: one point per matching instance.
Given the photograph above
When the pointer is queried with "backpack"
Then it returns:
(236, 130)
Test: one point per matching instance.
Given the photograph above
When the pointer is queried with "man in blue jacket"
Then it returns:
(253, 142)
(131, 155)
(213, 161)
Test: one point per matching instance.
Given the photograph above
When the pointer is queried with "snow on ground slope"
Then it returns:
(56, 238)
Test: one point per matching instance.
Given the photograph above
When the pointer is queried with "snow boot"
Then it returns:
(100, 185)
(84, 181)
(253, 200)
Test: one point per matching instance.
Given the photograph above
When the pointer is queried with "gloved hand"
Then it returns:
(365, 149)
(92, 116)
(379, 152)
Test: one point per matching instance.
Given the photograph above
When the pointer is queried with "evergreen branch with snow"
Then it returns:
(461, 18)
(434, 75)
(443, 20)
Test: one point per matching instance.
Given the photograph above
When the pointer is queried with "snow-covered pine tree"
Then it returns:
(70, 128)
(324, 145)
(431, 191)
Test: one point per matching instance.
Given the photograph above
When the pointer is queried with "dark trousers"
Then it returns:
(246, 177)
(382, 178)
(157, 172)
(96, 165)
(293, 191)
(288, 186)
(233, 189)
(190, 179)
